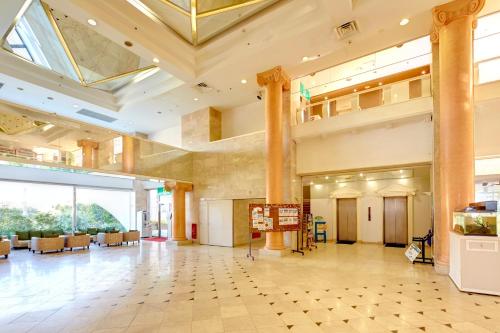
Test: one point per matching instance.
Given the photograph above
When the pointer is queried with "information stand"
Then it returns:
(273, 218)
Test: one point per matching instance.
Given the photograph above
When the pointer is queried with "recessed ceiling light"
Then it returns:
(404, 22)
(305, 58)
(380, 83)
(361, 174)
(423, 72)
(243, 81)
(355, 90)
(400, 171)
(367, 87)
(156, 60)
(92, 22)
(195, 99)
(326, 177)
(311, 183)
(76, 106)
(326, 98)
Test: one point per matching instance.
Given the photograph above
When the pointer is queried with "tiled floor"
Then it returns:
(157, 288)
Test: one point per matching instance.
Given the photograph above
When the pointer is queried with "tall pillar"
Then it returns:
(89, 153)
(179, 211)
(275, 81)
(453, 30)
(128, 152)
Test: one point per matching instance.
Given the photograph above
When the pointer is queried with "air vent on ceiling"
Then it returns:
(203, 87)
(96, 115)
(347, 29)
(1, 85)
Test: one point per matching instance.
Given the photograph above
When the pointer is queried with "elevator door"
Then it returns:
(395, 220)
(346, 220)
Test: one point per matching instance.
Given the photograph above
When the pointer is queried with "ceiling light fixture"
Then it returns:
(304, 59)
(195, 99)
(243, 81)
(404, 22)
(423, 72)
(156, 60)
(75, 106)
(92, 22)
(361, 174)
(367, 87)
(380, 83)
(355, 90)
(326, 177)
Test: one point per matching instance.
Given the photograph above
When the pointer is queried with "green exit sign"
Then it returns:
(162, 191)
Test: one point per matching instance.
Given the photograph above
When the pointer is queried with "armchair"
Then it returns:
(107, 238)
(47, 244)
(5, 248)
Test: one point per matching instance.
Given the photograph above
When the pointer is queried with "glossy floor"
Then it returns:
(157, 288)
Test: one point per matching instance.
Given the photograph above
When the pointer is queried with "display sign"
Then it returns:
(162, 191)
(274, 217)
(305, 92)
(412, 252)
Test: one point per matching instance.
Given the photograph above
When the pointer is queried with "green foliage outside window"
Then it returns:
(93, 215)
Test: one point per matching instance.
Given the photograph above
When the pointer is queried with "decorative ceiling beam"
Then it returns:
(228, 8)
(194, 28)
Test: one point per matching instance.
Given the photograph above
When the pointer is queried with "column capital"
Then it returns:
(276, 74)
(87, 143)
(174, 185)
(451, 11)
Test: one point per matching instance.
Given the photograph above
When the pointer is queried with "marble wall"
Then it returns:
(200, 127)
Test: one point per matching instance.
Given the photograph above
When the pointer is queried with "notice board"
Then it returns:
(274, 217)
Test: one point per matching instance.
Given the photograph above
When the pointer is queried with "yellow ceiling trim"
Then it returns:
(54, 25)
(194, 28)
(177, 8)
(18, 16)
(119, 76)
(228, 8)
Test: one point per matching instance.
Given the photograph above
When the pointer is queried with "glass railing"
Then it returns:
(398, 92)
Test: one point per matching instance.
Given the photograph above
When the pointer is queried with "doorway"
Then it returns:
(347, 221)
(396, 221)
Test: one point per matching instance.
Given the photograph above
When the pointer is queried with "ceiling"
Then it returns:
(198, 21)
(222, 59)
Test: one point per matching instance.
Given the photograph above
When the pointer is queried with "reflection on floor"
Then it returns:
(157, 288)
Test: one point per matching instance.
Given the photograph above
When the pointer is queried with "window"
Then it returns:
(105, 209)
(28, 206)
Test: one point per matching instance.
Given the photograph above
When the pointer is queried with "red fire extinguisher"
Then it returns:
(194, 231)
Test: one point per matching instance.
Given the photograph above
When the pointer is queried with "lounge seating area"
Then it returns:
(44, 241)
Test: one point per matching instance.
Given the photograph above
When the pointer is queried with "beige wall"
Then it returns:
(242, 120)
(240, 220)
(200, 127)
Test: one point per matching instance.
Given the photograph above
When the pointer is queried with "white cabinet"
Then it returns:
(475, 263)
(216, 222)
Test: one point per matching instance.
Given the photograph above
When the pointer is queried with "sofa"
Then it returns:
(109, 238)
(5, 248)
(47, 244)
(22, 239)
(131, 236)
(77, 240)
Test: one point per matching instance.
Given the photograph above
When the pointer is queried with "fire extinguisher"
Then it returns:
(194, 231)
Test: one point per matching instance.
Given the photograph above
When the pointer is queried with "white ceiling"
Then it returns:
(281, 35)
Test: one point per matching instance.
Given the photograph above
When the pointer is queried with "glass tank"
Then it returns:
(476, 223)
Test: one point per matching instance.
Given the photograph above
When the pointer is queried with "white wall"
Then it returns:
(487, 130)
(324, 207)
(408, 143)
(171, 136)
(243, 120)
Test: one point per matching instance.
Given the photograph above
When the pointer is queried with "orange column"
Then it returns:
(88, 153)
(179, 204)
(128, 152)
(454, 23)
(274, 81)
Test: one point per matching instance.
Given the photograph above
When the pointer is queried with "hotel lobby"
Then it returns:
(249, 166)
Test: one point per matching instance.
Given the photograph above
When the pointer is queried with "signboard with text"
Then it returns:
(274, 217)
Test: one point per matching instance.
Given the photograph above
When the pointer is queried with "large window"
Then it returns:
(28, 206)
(105, 209)
(33, 206)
